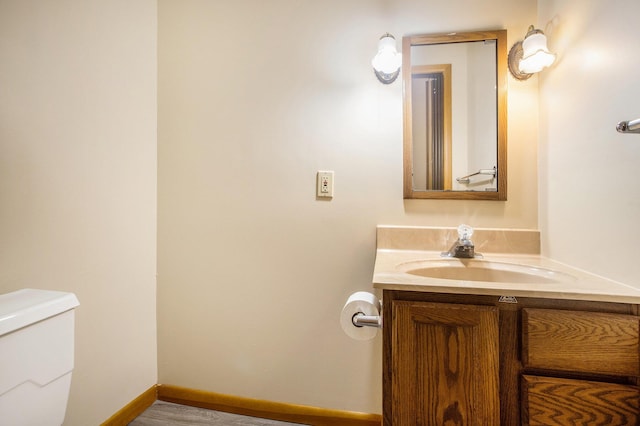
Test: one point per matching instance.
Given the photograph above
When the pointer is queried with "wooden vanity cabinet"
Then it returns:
(473, 360)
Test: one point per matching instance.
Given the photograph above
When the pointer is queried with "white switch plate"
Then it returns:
(325, 184)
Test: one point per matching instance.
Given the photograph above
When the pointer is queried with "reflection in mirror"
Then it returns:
(431, 126)
(455, 115)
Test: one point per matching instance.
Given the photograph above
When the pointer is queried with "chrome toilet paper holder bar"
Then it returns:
(359, 319)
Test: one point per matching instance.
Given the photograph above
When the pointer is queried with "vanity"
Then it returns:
(508, 338)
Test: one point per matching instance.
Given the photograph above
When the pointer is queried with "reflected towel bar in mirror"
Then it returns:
(467, 179)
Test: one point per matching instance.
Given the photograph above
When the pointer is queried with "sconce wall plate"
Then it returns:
(387, 78)
(515, 56)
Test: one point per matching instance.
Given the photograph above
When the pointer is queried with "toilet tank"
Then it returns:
(36, 356)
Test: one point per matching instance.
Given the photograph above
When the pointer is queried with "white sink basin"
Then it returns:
(483, 270)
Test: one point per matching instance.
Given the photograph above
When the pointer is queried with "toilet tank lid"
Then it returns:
(27, 306)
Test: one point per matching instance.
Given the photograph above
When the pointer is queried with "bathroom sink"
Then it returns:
(483, 270)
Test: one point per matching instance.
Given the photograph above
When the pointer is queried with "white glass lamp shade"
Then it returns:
(535, 55)
(387, 61)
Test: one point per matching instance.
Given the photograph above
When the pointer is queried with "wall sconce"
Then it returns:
(386, 64)
(530, 55)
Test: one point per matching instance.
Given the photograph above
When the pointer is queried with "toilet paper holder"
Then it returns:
(359, 319)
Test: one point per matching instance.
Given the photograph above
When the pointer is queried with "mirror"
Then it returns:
(455, 115)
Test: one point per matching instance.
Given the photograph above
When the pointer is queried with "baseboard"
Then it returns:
(134, 408)
(266, 409)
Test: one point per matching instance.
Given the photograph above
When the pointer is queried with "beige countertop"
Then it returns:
(392, 264)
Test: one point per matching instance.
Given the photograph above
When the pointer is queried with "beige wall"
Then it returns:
(254, 98)
(78, 182)
(589, 197)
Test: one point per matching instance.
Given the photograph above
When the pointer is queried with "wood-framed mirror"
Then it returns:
(455, 115)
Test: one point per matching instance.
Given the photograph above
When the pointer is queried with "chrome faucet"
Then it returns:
(463, 247)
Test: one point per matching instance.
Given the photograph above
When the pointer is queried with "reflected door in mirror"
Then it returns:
(431, 121)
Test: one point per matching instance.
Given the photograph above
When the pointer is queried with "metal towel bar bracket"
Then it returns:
(631, 126)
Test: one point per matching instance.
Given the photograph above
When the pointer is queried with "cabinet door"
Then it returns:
(445, 364)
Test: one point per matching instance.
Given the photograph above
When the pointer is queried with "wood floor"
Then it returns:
(167, 414)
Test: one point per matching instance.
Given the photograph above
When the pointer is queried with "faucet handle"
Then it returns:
(465, 232)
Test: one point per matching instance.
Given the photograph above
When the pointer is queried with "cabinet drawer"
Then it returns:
(589, 342)
(552, 401)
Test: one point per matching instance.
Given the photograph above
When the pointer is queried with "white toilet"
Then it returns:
(36, 356)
